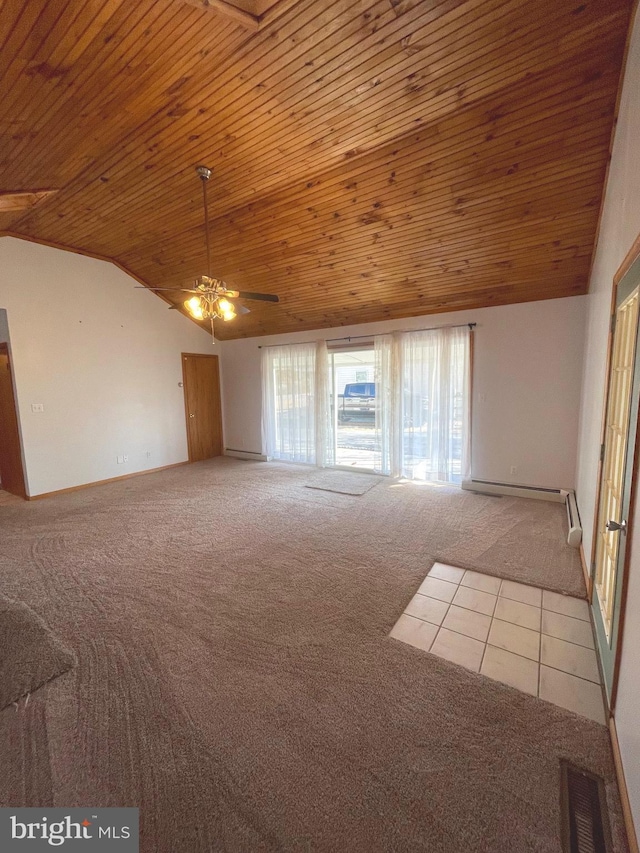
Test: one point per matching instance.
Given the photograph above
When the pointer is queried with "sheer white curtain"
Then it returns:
(296, 404)
(324, 418)
(436, 382)
(387, 369)
(422, 404)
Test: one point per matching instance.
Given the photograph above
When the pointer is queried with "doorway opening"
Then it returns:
(11, 470)
(356, 440)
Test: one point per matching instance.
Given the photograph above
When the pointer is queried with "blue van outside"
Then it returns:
(357, 403)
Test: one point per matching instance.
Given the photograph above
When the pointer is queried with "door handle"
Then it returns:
(191, 416)
(613, 526)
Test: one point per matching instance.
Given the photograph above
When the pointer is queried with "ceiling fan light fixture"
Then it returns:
(209, 301)
(227, 308)
(194, 307)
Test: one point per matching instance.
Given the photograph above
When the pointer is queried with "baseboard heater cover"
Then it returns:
(566, 496)
(245, 454)
(573, 518)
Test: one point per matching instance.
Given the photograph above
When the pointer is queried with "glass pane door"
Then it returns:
(354, 398)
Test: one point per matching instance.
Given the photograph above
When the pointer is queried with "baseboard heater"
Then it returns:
(566, 496)
(245, 454)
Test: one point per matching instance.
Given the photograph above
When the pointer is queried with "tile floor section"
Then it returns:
(537, 641)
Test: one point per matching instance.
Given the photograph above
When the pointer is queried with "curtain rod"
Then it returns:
(360, 337)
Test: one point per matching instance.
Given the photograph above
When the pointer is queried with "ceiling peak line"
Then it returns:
(251, 20)
(161, 110)
(333, 171)
(478, 104)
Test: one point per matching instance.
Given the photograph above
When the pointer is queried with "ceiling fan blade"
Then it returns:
(174, 289)
(240, 309)
(264, 297)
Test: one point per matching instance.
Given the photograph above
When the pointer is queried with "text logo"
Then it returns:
(83, 830)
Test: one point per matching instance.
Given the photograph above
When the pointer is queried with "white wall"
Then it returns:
(619, 228)
(104, 360)
(528, 362)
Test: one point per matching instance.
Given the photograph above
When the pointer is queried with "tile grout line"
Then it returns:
(487, 644)
(497, 596)
(571, 643)
(502, 580)
(588, 680)
(566, 616)
(492, 617)
(539, 656)
(448, 603)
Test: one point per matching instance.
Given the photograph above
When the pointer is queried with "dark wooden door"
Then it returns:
(11, 473)
(202, 405)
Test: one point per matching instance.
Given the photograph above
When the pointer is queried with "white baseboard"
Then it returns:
(245, 454)
(532, 492)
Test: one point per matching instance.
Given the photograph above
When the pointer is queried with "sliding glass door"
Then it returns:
(400, 407)
(354, 408)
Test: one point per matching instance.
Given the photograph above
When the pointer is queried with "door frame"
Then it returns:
(365, 345)
(183, 356)
(4, 349)
(632, 256)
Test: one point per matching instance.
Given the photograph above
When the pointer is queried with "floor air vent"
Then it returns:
(585, 827)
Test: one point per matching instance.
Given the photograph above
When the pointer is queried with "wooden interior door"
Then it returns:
(11, 472)
(617, 475)
(201, 378)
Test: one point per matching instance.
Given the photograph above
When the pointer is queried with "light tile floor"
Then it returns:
(538, 641)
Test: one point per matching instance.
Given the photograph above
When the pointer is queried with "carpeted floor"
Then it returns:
(236, 682)
(30, 654)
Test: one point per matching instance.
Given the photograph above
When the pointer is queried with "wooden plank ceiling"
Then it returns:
(370, 159)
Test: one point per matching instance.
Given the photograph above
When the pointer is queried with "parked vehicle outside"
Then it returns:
(358, 402)
(358, 405)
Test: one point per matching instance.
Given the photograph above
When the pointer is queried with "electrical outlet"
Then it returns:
(37, 407)
(514, 469)
(125, 458)
(148, 454)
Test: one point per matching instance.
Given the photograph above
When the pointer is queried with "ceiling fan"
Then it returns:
(210, 299)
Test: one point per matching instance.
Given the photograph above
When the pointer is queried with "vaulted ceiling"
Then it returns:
(370, 159)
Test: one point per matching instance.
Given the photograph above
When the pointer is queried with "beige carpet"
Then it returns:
(30, 655)
(236, 682)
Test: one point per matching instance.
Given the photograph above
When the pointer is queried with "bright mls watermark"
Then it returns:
(103, 830)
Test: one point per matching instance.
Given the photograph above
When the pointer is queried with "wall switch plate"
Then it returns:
(148, 454)
(37, 407)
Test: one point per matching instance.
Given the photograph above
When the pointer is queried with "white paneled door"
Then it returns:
(617, 472)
